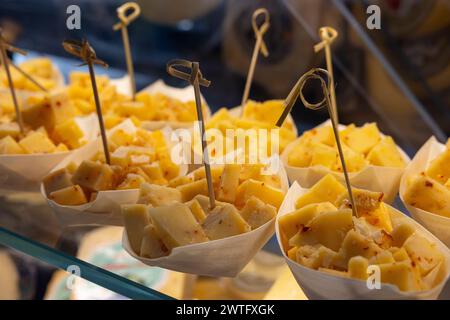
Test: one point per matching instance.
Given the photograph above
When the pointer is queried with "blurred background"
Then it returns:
(398, 75)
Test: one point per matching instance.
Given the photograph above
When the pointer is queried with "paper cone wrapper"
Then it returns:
(320, 285)
(437, 224)
(218, 258)
(24, 172)
(105, 209)
(375, 178)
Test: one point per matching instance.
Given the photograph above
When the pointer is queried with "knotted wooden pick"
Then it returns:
(4, 47)
(127, 13)
(297, 91)
(195, 78)
(87, 54)
(328, 35)
(260, 46)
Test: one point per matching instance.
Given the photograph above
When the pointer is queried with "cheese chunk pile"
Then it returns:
(256, 115)
(136, 158)
(362, 146)
(41, 69)
(50, 126)
(430, 190)
(170, 217)
(322, 234)
(117, 107)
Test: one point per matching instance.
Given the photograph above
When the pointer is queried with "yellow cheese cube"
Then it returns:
(439, 168)
(169, 168)
(216, 173)
(178, 181)
(229, 183)
(137, 109)
(69, 133)
(132, 181)
(379, 217)
(135, 219)
(9, 146)
(358, 267)
(363, 139)
(111, 120)
(61, 147)
(427, 194)
(176, 225)
(327, 189)
(121, 138)
(323, 135)
(69, 196)
(197, 210)
(400, 274)
(400, 254)
(323, 155)
(84, 106)
(224, 221)
(354, 161)
(386, 154)
(9, 129)
(152, 247)
(205, 204)
(37, 142)
(423, 253)
(154, 173)
(94, 176)
(190, 190)
(57, 180)
(291, 223)
(256, 213)
(327, 229)
(401, 233)
(158, 195)
(301, 155)
(435, 276)
(384, 256)
(222, 115)
(260, 190)
(365, 200)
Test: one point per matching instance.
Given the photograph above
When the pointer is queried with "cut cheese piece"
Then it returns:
(229, 183)
(197, 210)
(224, 221)
(363, 139)
(70, 196)
(400, 274)
(256, 213)
(158, 195)
(151, 246)
(262, 191)
(190, 190)
(176, 225)
(315, 257)
(401, 233)
(386, 154)
(9, 146)
(423, 253)
(37, 142)
(358, 267)
(135, 218)
(94, 176)
(327, 189)
(56, 180)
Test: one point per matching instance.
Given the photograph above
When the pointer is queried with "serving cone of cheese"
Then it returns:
(53, 129)
(374, 161)
(84, 190)
(425, 188)
(380, 254)
(173, 227)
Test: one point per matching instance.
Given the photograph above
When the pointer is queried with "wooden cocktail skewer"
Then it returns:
(195, 78)
(297, 91)
(260, 46)
(86, 53)
(127, 13)
(328, 35)
(4, 46)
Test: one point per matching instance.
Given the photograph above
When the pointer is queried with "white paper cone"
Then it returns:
(105, 209)
(375, 178)
(24, 172)
(320, 285)
(437, 224)
(218, 258)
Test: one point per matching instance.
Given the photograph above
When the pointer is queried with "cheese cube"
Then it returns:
(401, 233)
(365, 200)
(315, 257)
(256, 213)
(69, 196)
(354, 161)
(137, 109)
(358, 267)
(428, 194)
(178, 181)
(197, 210)
(158, 195)
(386, 154)
(363, 139)
(154, 173)
(190, 190)
(384, 256)
(176, 225)
(37, 142)
(9, 146)
(120, 137)
(69, 133)
(301, 155)
(327, 189)
(94, 176)
(423, 253)
(205, 204)
(260, 190)
(291, 223)
(57, 180)
(132, 181)
(135, 219)
(323, 135)
(224, 221)
(400, 274)
(151, 246)
(439, 168)
(216, 173)
(229, 183)
(400, 254)
(328, 229)
(169, 168)
(61, 147)
(323, 155)
(111, 120)
(435, 276)
(9, 129)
